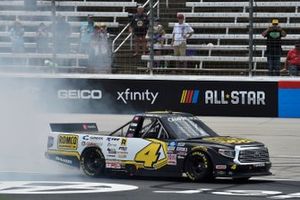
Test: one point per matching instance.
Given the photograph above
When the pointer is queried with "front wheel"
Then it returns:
(92, 162)
(198, 166)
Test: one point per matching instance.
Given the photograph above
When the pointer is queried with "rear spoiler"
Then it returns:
(73, 127)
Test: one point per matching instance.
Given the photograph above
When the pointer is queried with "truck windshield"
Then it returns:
(188, 127)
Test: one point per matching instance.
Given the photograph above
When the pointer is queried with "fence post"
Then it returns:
(250, 37)
(53, 13)
(151, 36)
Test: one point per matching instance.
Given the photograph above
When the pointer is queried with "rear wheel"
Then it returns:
(92, 162)
(198, 166)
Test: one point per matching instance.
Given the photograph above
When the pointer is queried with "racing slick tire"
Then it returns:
(92, 162)
(198, 166)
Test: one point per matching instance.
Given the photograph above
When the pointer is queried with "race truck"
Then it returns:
(171, 144)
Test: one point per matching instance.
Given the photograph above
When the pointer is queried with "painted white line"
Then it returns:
(182, 192)
(39, 173)
(247, 192)
(57, 187)
(273, 179)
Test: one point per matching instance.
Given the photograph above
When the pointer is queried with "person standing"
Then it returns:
(42, 37)
(158, 39)
(181, 32)
(17, 37)
(139, 27)
(274, 33)
(292, 62)
(62, 30)
(86, 34)
(100, 54)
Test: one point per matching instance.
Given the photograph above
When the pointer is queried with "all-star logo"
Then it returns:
(129, 95)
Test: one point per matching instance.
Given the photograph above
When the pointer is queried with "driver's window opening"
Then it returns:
(152, 128)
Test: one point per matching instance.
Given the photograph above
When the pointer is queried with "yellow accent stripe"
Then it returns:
(183, 96)
(64, 153)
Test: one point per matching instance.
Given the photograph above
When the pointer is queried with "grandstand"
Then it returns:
(220, 42)
(219, 45)
(114, 13)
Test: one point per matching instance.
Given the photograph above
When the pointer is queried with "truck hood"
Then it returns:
(230, 141)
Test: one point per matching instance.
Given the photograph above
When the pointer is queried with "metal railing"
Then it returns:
(129, 36)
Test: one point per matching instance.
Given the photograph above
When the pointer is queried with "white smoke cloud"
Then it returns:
(23, 130)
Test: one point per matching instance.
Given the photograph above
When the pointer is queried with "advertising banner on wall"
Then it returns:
(288, 98)
(121, 96)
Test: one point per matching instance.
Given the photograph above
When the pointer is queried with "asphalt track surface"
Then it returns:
(53, 181)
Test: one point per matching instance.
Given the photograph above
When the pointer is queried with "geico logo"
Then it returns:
(235, 97)
(129, 95)
(79, 94)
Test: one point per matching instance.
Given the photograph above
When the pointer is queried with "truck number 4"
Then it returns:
(148, 155)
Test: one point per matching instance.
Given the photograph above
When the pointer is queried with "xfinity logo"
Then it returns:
(235, 97)
(79, 94)
(129, 95)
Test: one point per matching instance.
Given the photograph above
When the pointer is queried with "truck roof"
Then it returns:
(162, 114)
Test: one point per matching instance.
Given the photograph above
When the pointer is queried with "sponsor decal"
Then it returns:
(79, 94)
(233, 167)
(181, 144)
(181, 153)
(133, 124)
(229, 140)
(189, 97)
(181, 149)
(94, 137)
(88, 126)
(87, 143)
(122, 154)
(175, 119)
(136, 118)
(260, 165)
(222, 97)
(111, 145)
(172, 159)
(112, 139)
(113, 164)
(171, 148)
(128, 96)
(67, 161)
(86, 137)
(123, 148)
(67, 141)
(123, 142)
(111, 150)
(221, 167)
(172, 144)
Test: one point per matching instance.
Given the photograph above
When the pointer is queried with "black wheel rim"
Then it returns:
(94, 162)
(197, 166)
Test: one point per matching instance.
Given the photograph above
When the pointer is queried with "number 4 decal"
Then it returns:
(154, 155)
